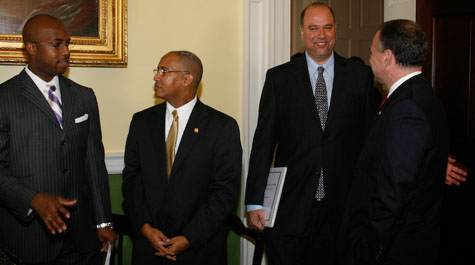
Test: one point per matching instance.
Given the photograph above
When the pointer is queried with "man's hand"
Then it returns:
(455, 173)
(51, 210)
(158, 240)
(106, 234)
(257, 219)
(177, 245)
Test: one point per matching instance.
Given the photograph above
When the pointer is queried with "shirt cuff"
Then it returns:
(253, 207)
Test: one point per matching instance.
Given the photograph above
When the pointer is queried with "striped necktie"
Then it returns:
(55, 104)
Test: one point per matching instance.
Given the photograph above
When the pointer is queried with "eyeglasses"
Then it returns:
(162, 71)
(57, 46)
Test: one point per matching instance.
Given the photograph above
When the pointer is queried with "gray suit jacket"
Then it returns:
(37, 156)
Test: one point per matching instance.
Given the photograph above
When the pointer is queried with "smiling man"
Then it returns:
(313, 113)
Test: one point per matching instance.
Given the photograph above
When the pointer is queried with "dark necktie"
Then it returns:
(55, 105)
(322, 108)
(171, 142)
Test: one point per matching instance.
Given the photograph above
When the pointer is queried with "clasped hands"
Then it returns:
(166, 247)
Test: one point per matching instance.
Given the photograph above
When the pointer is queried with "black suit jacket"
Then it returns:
(37, 156)
(288, 119)
(394, 211)
(204, 181)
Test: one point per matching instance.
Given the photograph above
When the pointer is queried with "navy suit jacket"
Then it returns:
(288, 120)
(203, 186)
(36, 155)
(394, 212)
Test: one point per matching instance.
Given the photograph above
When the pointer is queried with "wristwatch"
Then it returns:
(104, 225)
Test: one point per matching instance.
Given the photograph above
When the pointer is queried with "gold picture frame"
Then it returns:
(107, 48)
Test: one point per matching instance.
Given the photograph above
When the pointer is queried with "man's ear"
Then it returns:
(30, 48)
(188, 80)
(388, 57)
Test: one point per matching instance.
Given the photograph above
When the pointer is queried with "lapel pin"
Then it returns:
(196, 130)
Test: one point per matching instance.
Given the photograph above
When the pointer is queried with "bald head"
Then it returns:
(46, 42)
(36, 26)
(192, 63)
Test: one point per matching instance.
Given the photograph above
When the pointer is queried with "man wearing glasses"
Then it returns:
(54, 191)
(182, 171)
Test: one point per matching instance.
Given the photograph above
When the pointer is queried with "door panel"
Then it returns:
(450, 30)
(451, 78)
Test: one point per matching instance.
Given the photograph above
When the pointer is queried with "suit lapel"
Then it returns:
(338, 91)
(195, 126)
(157, 132)
(305, 88)
(402, 92)
(34, 95)
(68, 96)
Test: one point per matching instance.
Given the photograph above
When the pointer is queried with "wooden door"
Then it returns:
(450, 28)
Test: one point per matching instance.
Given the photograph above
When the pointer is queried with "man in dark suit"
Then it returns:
(394, 208)
(178, 204)
(318, 145)
(54, 193)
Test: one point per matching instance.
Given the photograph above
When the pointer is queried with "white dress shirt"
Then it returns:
(44, 86)
(184, 113)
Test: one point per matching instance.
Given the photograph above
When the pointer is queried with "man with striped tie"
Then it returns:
(54, 193)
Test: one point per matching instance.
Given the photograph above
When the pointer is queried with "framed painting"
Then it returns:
(98, 29)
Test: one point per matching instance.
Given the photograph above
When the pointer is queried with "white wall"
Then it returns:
(210, 28)
(399, 9)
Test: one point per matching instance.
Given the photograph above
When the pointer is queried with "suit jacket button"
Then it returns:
(63, 142)
(65, 171)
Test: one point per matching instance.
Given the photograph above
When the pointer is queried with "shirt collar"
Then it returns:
(401, 80)
(41, 84)
(313, 66)
(183, 110)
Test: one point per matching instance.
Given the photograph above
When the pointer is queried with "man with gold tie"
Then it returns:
(182, 171)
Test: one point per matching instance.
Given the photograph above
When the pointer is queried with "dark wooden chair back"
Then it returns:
(123, 228)
(252, 235)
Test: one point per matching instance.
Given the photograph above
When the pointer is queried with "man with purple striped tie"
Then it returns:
(54, 193)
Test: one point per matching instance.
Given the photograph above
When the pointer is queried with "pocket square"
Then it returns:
(81, 119)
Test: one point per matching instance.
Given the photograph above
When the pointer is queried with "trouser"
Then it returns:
(315, 246)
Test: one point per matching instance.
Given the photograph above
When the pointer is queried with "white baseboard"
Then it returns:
(114, 163)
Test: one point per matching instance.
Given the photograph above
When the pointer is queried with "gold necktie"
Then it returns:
(171, 142)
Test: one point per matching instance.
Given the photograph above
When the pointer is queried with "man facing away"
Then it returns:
(394, 209)
(313, 113)
(182, 171)
(54, 191)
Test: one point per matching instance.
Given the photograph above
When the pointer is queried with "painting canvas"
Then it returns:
(97, 29)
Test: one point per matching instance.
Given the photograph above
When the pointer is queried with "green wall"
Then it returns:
(115, 183)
